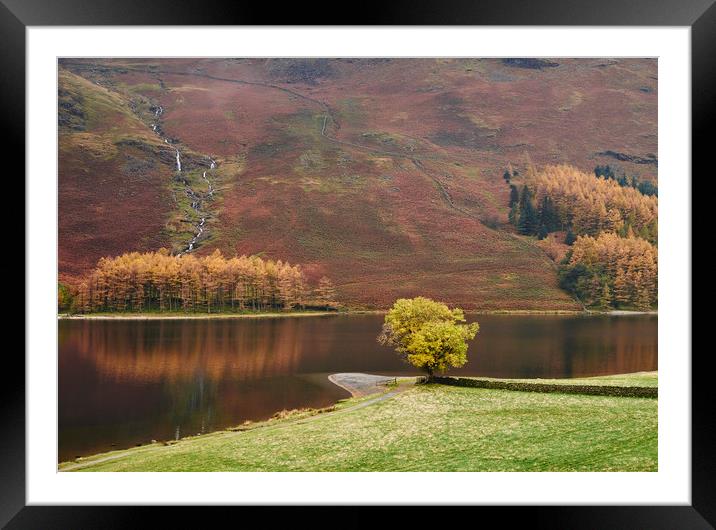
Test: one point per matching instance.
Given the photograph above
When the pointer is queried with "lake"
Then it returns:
(127, 382)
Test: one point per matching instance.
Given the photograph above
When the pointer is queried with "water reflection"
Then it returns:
(127, 382)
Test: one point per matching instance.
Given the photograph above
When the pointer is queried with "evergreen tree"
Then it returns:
(514, 195)
(548, 214)
(570, 238)
(514, 214)
(647, 188)
(542, 232)
(604, 171)
(527, 224)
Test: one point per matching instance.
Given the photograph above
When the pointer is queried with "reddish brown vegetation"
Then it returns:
(390, 201)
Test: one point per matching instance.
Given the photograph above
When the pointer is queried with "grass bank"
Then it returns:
(426, 428)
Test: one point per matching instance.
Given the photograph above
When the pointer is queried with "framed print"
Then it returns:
(360, 265)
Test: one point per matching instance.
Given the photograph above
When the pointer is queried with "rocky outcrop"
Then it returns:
(69, 111)
(529, 62)
(649, 158)
(306, 71)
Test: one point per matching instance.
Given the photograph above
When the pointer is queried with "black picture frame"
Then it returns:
(699, 15)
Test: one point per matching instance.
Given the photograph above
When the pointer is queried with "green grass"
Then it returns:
(428, 428)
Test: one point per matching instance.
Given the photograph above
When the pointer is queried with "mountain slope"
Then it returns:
(384, 174)
(112, 182)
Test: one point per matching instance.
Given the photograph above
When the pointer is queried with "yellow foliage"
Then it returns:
(156, 280)
(594, 205)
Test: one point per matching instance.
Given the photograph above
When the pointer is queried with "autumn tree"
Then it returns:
(612, 271)
(427, 334)
(591, 205)
(158, 281)
(64, 298)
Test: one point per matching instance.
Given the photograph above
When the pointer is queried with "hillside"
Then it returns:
(384, 174)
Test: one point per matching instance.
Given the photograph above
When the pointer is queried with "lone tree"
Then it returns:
(428, 334)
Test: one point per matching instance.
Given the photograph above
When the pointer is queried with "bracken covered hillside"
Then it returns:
(384, 174)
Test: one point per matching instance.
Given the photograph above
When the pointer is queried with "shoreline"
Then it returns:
(210, 316)
(190, 316)
(359, 399)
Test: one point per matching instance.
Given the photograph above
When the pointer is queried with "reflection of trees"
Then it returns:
(216, 349)
(191, 404)
(631, 345)
(249, 350)
(562, 346)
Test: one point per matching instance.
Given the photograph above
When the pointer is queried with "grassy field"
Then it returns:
(427, 428)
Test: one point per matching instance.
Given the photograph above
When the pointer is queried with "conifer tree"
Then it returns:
(569, 238)
(542, 232)
(514, 214)
(514, 195)
(527, 224)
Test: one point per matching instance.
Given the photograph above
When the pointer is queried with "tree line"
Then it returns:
(534, 219)
(611, 271)
(644, 187)
(608, 257)
(562, 198)
(158, 281)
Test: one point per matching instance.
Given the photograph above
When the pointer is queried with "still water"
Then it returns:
(123, 383)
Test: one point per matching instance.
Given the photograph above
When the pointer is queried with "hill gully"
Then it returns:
(197, 199)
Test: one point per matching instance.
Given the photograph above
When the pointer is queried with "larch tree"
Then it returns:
(158, 281)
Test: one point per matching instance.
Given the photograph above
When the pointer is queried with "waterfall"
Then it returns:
(211, 190)
(196, 199)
